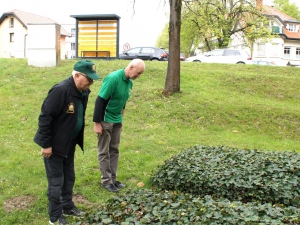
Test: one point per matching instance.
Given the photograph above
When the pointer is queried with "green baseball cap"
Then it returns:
(88, 68)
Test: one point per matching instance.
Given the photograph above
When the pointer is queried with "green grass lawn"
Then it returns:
(242, 106)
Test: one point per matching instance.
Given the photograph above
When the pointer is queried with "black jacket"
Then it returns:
(58, 117)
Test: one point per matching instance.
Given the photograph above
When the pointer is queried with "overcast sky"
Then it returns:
(138, 27)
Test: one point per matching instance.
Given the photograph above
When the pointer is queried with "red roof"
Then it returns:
(270, 10)
(285, 19)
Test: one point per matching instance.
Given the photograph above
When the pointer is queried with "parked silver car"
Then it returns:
(232, 56)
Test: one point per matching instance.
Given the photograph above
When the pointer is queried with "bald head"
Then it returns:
(137, 62)
(135, 69)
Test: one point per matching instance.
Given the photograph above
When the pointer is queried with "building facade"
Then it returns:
(284, 48)
(14, 33)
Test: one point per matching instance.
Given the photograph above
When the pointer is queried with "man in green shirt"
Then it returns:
(108, 116)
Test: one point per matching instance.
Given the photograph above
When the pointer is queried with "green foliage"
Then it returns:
(166, 207)
(211, 23)
(234, 174)
(186, 41)
(244, 106)
(288, 8)
(163, 39)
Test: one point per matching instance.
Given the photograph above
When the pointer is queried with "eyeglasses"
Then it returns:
(89, 79)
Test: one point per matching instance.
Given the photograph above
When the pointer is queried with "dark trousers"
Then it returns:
(61, 178)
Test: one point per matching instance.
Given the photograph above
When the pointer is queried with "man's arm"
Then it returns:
(99, 111)
(51, 108)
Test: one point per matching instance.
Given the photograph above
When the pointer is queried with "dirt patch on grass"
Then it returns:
(20, 203)
(24, 202)
(80, 199)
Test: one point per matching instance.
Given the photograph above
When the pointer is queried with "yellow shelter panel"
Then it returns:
(107, 22)
(87, 22)
(97, 38)
(107, 35)
(87, 40)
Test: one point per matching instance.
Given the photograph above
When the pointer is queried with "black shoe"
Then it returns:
(110, 187)
(61, 221)
(74, 212)
(119, 185)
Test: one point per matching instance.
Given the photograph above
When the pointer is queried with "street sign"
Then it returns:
(126, 47)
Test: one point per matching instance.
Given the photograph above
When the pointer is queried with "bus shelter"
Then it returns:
(97, 36)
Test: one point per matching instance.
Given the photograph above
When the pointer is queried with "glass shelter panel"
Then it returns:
(87, 38)
(97, 38)
(107, 36)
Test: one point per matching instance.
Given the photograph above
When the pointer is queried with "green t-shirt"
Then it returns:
(116, 88)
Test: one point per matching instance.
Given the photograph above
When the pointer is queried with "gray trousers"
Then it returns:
(108, 151)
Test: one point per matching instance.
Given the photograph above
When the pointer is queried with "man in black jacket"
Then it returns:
(60, 128)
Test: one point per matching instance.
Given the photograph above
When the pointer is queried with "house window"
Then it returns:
(11, 37)
(73, 32)
(72, 46)
(261, 49)
(11, 22)
(287, 52)
(298, 53)
(293, 27)
(275, 29)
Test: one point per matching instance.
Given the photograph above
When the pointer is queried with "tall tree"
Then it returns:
(172, 83)
(185, 46)
(216, 21)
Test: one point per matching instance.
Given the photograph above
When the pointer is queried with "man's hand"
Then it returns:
(46, 152)
(98, 128)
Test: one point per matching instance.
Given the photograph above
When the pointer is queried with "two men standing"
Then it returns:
(61, 127)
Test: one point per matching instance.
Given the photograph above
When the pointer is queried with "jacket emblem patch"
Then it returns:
(71, 108)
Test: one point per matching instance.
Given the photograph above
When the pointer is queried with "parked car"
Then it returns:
(182, 57)
(232, 56)
(145, 53)
(263, 62)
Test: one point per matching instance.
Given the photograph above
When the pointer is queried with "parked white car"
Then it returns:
(232, 56)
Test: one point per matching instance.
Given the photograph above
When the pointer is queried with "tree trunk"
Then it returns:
(172, 83)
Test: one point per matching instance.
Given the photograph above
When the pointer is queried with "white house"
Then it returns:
(284, 48)
(14, 33)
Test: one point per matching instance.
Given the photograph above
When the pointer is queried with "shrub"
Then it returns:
(211, 185)
(234, 174)
(149, 207)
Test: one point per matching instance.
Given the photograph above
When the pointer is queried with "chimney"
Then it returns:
(259, 4)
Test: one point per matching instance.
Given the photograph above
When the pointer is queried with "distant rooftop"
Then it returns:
(270, 10)
(284, 19)
(25, 18)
